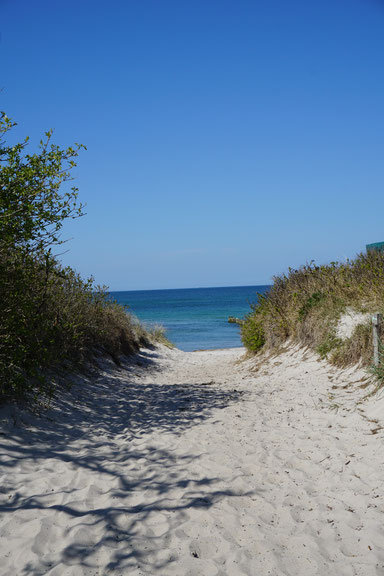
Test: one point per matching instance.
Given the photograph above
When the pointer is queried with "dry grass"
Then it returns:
(306, 304)
(50, 318)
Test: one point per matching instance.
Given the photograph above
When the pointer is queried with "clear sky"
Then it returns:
(227, 139)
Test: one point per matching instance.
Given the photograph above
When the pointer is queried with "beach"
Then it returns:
(198, 464)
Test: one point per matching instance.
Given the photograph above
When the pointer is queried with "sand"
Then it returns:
(197, 464)
(349, 322)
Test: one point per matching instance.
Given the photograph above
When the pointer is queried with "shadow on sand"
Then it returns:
(112, 484)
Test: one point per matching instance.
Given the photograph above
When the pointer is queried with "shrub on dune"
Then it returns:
(49, 316)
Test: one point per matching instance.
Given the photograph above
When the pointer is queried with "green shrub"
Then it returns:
(49, 317)
(252, 332)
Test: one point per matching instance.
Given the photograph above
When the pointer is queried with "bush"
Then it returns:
(252, 331)
(49, 317)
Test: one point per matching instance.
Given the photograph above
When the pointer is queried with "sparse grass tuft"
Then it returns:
(157, 335)
(329, 344)
(378, 371)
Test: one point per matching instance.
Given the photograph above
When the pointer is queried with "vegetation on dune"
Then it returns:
(49, 316)
(305, 305)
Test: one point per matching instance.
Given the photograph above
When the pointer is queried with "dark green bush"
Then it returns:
(252, 332)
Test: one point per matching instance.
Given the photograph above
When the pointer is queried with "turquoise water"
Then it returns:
(194, 318)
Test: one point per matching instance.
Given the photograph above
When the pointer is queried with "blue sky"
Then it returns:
(227, 140)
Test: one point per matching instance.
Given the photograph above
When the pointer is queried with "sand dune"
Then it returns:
(197, 464)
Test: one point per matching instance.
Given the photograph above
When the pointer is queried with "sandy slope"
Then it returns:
(193, 464)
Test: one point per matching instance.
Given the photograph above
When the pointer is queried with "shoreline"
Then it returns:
(196, 464)
(214, 349)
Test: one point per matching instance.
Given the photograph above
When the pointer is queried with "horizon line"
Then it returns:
(191, 288)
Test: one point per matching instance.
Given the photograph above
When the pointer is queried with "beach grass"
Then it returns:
(51, 318)
(306, 305)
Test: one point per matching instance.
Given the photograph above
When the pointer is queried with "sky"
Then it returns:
(227, 140)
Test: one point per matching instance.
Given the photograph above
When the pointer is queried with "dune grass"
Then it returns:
(305, 305)
(52, 319)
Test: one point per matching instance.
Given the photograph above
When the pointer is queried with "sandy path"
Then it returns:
(192, 464)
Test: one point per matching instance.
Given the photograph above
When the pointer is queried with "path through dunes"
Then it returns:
(197, 464)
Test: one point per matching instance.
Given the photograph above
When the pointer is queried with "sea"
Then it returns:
(193, 318)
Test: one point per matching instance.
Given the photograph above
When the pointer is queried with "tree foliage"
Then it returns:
(33, 206)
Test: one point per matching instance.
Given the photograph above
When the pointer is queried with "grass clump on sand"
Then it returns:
(306, 305)
(50, 317)
(157, 334)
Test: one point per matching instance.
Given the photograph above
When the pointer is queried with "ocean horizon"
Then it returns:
(193, 318)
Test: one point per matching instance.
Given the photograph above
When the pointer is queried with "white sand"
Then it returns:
(192, 464)
(349, 322)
